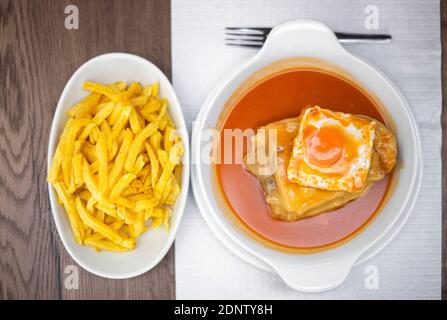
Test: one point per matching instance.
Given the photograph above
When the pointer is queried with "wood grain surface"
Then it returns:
(444, 146)
(37, 57)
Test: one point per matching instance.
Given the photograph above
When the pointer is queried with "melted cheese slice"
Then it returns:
(290, 201)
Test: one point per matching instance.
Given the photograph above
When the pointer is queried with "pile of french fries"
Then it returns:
(117, 167)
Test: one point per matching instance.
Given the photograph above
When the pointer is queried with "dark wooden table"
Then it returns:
(37, 56)
(444, 146)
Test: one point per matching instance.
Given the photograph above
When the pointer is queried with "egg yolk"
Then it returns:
(324, 146)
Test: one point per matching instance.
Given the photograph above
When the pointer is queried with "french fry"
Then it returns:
(110, 211)
(120, 85)
(112, 153)
(107, 130)
(134, 88)
(120, 158)
(89, 151)
(167, 189)
(174, 159)
(94, 167)
(100, 215)
(68, 148)
(139, 164)
(154, 89)
(93, 136)
(141, 196)
(122, 120)
(163, 158)
(145, 204)
(122, 184)
(102, 89)
(103, 113)
(117, 165)
(137, 228)
(144, 172)
(156, 222)
(126, 215)
(157, 213)
(90, 204)
(155, 140)
(58, 154)
(178, 173)
(176, 152)
(101, 151)
(104, 245)
(167, 218)
(137, 143)
(154, 164)
(148, 213)
(137, 184)
(169, 138)
(88, 232)
(114, 116)
(56, 164)
(124, 202)
(85, 195)
(117, 224)
(153, 106)
(84, 106)
(69, 204)
(139, 101)
(77, 169)
(147, 90)
(102, 228)
(134, 121)
(107, 218)
(130, 191)
(116, 86)
(170, 200)
(163, 110)
(91, 186)
(86, 132)
(72, 186)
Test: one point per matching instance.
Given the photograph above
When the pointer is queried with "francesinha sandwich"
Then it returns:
(323, 160)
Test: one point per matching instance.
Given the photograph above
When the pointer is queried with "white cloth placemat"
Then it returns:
(409, 267)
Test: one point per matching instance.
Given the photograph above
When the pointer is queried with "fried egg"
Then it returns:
(332, 150)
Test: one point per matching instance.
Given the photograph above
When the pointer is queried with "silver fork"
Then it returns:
(255, 37)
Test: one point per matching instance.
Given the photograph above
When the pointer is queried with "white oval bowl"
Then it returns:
(328, 269)
(153, 245)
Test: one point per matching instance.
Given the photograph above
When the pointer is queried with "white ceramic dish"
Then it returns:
(328, 269)
(153, 245)
(255, 261)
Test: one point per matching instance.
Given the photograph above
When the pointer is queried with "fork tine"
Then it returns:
(244, 37)
(257, 46)
(237, 33)
(245, 40)
(258, 30)
(244, 31)
(254, 43)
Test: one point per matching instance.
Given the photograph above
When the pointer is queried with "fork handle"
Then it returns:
(344, 37)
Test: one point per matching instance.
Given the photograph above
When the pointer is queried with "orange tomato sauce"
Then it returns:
(284, 95)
